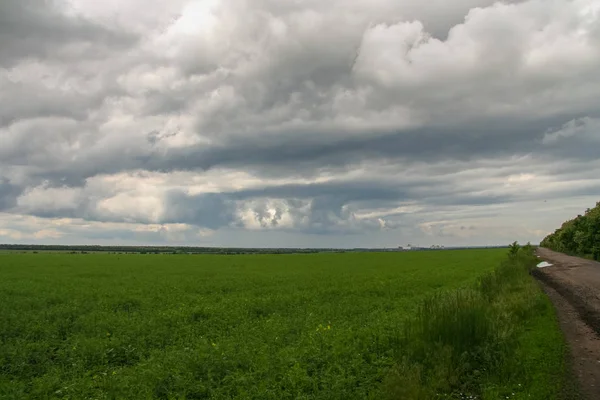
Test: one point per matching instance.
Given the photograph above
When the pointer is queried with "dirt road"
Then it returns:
(573, 285)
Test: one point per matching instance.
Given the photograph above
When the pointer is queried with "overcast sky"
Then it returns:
(307, 123)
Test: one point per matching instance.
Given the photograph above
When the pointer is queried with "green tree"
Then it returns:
(580, 235)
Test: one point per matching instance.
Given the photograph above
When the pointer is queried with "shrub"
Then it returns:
(580, 236)
(457, 338)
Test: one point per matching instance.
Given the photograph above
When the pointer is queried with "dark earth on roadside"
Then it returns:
(573, 285)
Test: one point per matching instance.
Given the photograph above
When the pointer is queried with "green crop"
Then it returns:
(309, 326)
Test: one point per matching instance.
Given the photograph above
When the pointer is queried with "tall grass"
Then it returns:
(464, 343)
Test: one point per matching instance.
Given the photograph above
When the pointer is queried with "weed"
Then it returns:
(470, 342)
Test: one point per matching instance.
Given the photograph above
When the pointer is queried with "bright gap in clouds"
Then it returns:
(297, 124)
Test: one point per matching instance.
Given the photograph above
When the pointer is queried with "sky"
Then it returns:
(306, 123)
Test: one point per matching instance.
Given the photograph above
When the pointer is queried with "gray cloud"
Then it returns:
(436, 121)
(329, 207)
(210, 210)
(8, 194)
(38, 29)
(275, 155)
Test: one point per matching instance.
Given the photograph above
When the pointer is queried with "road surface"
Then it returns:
(573, 285)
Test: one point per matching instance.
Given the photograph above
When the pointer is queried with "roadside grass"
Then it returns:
(496, 339)
(414, 325)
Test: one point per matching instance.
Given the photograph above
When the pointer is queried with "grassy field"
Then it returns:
(313, 326)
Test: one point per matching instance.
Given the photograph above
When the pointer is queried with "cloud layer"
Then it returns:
(269, 123)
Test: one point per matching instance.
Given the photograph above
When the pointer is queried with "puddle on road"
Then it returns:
(544, 264)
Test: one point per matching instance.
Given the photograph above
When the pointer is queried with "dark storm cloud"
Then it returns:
(491, 138)
(353, 191)
(282, 154)
(327, 119)
(208, 210)
(278, 157)
(37, 29)
(8, 194)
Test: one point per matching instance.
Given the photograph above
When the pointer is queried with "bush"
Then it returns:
(461, 339)
(579, 236)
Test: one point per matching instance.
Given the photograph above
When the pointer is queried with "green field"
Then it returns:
(310, 326)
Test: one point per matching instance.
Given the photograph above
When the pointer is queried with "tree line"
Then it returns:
(579, 236)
